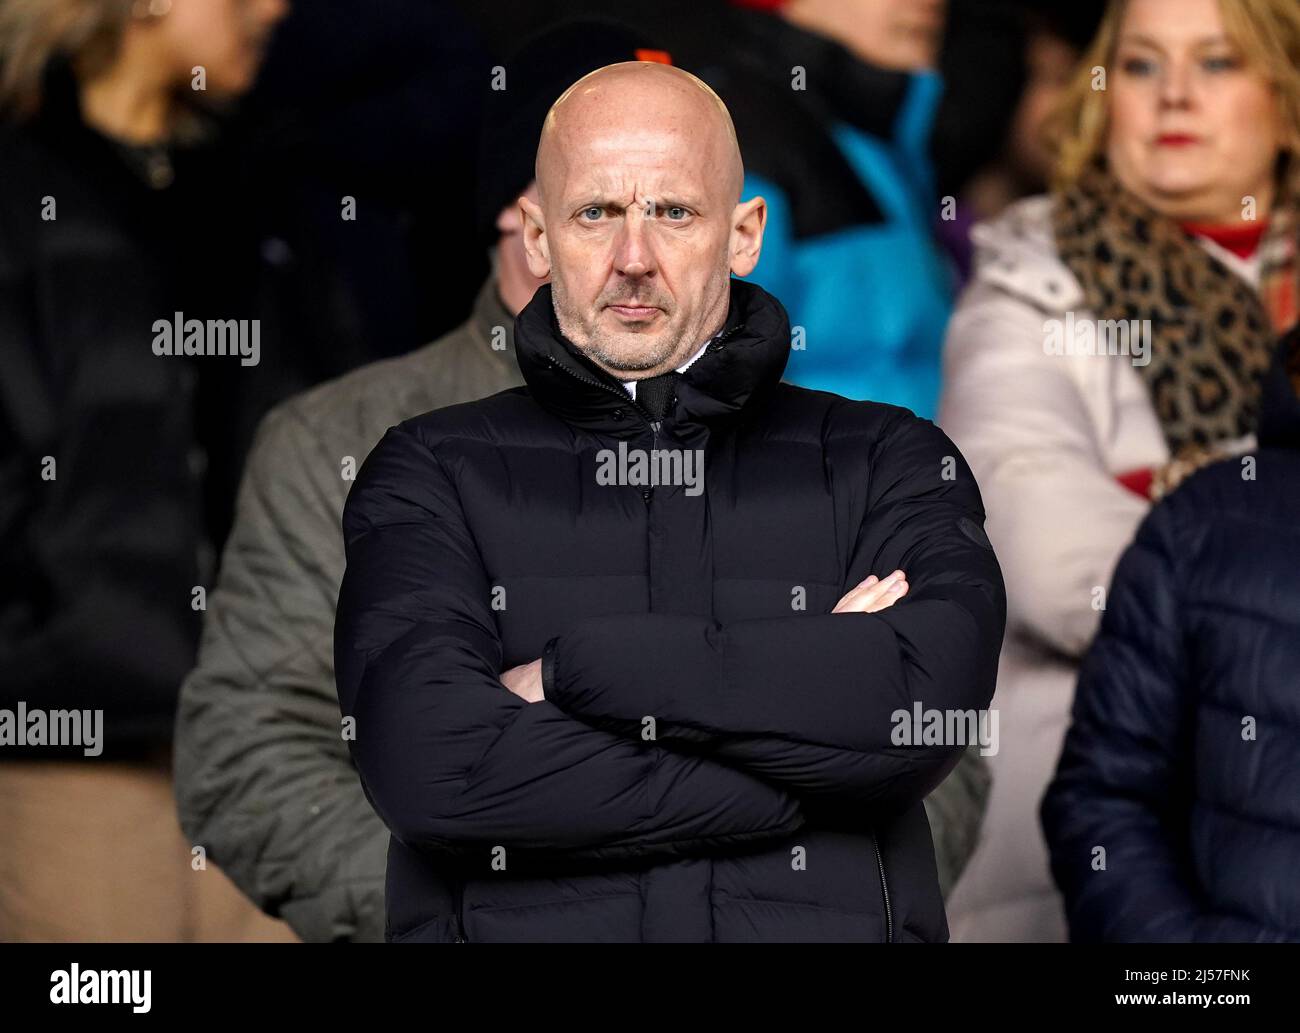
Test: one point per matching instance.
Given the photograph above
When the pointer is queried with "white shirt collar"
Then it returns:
(1247, 268)
(630, 385)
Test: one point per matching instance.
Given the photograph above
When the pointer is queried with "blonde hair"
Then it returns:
(1266, 31)
(35, 32)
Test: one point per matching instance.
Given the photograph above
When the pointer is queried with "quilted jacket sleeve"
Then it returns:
(809, 701)
(263, 777)
(1126, 755)
(455, 762)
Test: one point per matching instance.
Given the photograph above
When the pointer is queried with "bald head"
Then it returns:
(623, 102)
(638, 221)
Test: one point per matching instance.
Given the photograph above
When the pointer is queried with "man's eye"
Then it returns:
(675, 212)
(593, 213)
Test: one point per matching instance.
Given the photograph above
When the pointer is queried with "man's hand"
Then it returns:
(525, 681)
(873, 594)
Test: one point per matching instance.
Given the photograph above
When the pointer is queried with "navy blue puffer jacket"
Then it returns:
(1175, 811)
(713, 760)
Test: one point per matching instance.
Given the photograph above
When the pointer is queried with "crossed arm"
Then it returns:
(450, 759)
(758, 715)
(807, 701)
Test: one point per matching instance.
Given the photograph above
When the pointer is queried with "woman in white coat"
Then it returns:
(1113, 338)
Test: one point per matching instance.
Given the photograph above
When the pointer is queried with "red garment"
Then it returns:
(1279, 283)
(1242, 239)
(1138, 481)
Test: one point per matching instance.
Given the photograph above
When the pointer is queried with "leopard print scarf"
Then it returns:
(1212, 334)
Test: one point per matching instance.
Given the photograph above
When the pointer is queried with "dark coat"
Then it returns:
(767, 799)
(98, 563)
(1183, 759)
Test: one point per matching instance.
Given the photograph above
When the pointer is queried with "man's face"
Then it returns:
(638, 205)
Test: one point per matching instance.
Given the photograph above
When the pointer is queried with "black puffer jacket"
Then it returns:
(766, 799)
(1183, 760)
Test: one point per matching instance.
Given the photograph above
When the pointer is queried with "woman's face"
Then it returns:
(1193, 131)
(226, 37)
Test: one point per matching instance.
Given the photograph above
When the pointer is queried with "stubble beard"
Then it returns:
(626, 352)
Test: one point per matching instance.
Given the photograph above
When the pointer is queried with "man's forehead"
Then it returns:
(616, 160)
(628, 188)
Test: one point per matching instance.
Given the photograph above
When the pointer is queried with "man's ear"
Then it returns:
(536, 247)
(747, 222)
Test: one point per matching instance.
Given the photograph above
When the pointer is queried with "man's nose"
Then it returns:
(633, 251)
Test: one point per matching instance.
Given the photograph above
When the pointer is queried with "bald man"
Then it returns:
(654, 648)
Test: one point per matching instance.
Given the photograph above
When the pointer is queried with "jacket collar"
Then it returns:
(739, 368)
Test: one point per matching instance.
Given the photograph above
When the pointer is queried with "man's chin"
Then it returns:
(629, 353)
(636, 332)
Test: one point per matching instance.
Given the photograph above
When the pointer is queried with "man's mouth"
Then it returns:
(636, 312)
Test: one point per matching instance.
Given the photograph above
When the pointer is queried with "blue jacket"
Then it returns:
(839, 150)
(872, 298)
(1175, 811)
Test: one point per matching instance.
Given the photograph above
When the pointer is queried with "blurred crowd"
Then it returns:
(1066, 233)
